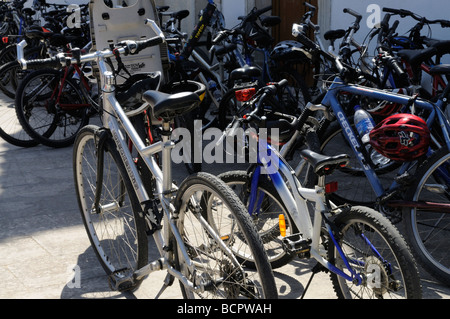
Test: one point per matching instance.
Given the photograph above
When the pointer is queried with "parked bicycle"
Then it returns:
(119, 212)
(353, 243)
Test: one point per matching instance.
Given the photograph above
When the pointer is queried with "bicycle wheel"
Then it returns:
(49, 121)
(117, 231)
(10, 128)
(378, 253)
(265, 214)
(428, 227)
(11, 72)
(203, 197)
(295, 95)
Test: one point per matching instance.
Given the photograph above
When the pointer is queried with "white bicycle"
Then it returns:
(124, 198)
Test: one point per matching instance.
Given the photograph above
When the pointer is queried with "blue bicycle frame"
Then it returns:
(330, 100)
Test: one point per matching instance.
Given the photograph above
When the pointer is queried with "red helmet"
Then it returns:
(401, 137)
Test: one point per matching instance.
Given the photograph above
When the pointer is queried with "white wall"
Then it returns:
(232, 9)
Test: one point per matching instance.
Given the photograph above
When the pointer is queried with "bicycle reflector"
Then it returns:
(282, 224)
(331, 187)
(5, 40)
(245, 94)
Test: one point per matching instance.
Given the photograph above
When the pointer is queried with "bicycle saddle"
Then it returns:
(169, 106)
(440, 69)
(322, 164)
(334, 34)
(442, 47)
(246, 72)
(36, 32)
(416, 57)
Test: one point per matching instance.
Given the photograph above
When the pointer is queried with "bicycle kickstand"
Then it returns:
(316, 269)
(168, 281)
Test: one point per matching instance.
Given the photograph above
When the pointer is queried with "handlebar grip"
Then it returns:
(220, 36)
(445, 24)
(141, 45)
(401, 12)
(394, 27)
(53, 63)
(391, 10)
(353, 13)
(396, 68)
(385, 23)
(309, 5)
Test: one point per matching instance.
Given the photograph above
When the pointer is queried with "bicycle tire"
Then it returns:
(208, 190)
(10, 128)
(11, 72)
(393, 274)
(296, 94)
(427, 230)
(118, 255)
(266, 221)
(41, 117)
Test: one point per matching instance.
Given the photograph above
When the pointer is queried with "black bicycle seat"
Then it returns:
(334, 34)
(416, 57)
(246, 72)
(169, 106)
(322, 164)
(442, 46)
(440, 69)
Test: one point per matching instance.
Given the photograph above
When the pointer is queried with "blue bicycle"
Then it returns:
(365, 254)
(417, 190)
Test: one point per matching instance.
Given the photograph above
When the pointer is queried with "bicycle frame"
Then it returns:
(330, 100)
(59, 90)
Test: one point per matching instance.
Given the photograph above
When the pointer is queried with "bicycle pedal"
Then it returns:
(119, 281)
(297, 245)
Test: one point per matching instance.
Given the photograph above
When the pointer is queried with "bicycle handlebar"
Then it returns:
(353, 13)
(406, 13)
(61, 60)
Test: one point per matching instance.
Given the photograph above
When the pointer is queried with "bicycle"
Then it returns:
(53, 105)
(393, 194)
(109, 186)
(349, 242)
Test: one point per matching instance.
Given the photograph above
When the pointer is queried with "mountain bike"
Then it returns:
(364, 253)
(120, 208)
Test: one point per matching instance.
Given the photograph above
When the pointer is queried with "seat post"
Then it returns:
(166, 158)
